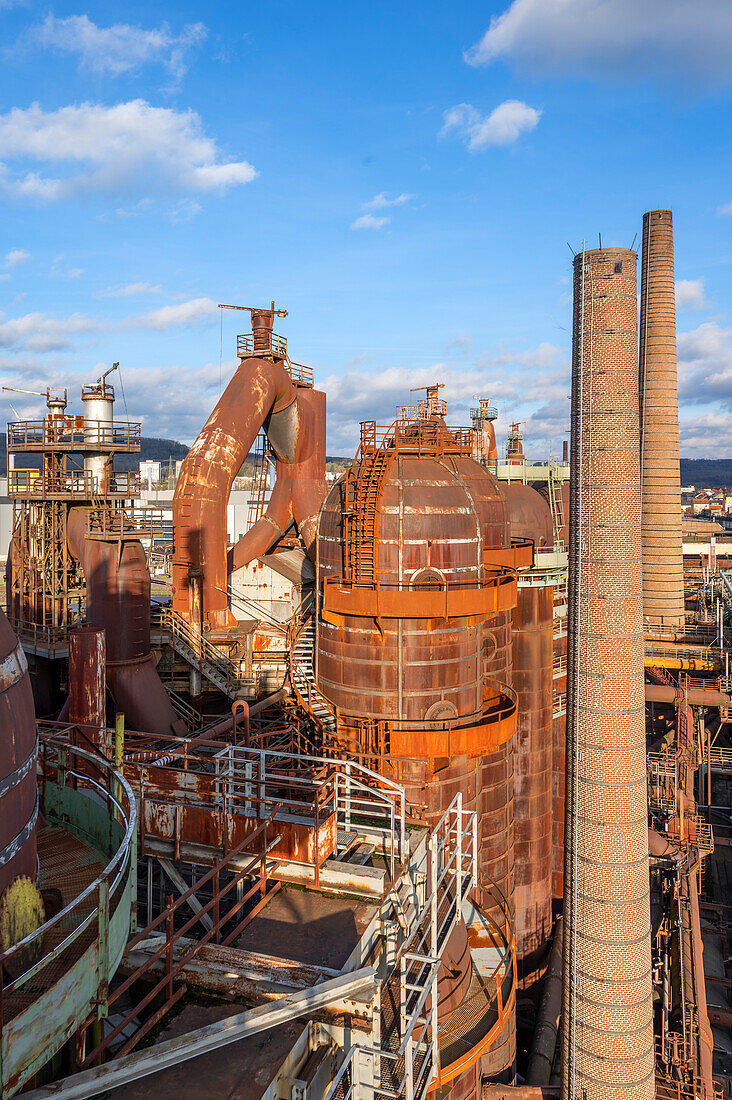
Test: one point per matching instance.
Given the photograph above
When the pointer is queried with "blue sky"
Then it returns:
(403, 178)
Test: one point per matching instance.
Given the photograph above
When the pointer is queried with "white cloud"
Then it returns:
(382, 202)
(690, 294)
(186, 313)
(502, 126)
(16, 256)
(705, 436)
(617, 38)
(128, 148)
(725, 210)
(171, 401)
(41, 333)
(370, 221)
(530, 385)
(120, 48)
(130, 290)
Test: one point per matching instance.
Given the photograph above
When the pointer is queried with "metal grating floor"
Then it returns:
(69, 865)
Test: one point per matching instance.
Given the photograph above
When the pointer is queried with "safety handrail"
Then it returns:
(54, 757)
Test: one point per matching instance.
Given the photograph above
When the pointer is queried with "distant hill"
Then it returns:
(159, 450)
(706, 472)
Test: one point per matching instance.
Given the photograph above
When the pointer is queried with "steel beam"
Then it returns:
(172, 1052)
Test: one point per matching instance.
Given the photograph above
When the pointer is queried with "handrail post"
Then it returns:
(169, 944)
(432, 848)
(459, 858)
(348, 797)
(103, 949)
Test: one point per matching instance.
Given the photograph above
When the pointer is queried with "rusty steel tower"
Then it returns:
(663, 583)
(607, 1045)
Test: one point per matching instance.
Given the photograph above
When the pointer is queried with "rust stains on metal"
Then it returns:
(118, 603)
(294, 419)
(18, 751)
(87, 679)
(532, 680)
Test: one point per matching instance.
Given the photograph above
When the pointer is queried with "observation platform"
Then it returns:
(73, 485)
(73, 434)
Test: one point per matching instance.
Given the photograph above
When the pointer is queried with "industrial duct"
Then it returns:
(607, 1035)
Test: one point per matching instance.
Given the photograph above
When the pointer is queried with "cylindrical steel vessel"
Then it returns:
(607, 1042)
(87, 681)
(436, 513)
(663, 573)
(532, 630)
(18, 794)
(98, 402)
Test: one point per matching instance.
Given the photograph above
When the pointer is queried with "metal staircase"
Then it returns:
(364, 482)
(300, 667)
(196, 649)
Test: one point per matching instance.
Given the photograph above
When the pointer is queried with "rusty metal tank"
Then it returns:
(18, 794)
(416, 583)
(532, 669)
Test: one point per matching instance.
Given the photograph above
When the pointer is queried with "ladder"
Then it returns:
(364, 483)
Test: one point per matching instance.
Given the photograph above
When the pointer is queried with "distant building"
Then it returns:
(149, 473)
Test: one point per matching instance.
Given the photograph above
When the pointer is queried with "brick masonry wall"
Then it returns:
(608, 1035)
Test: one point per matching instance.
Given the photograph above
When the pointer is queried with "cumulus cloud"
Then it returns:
(617, 38)
(171, 401)
(130, 290)
(128, 148)
(16, 256)
(186, 313)
(530, 385)
(382, 202)
(370, 221)
(705, 436)
(40, 332)
(705, 365)
(503, 126)
(690, 294)
(120, 48)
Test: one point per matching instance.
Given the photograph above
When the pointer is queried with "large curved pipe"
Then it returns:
(118, 601)
(299, 488)
(260, 394)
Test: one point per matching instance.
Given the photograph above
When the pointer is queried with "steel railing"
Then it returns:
(362, 800)
(63, 765)
(201, 653)
(128, 523)
(81, 484)
(73, 433)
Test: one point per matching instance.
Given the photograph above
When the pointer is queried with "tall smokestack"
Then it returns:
(663, 580)
(607, 1045)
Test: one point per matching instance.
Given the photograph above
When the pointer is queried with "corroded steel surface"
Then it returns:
(434, 517)
(118, 602)
(260, 387)
(87, 676)
(299, 488)
(17, 764)
(663, 580)
(607, 1041)
(438, 521)
(294, 419)
(532, 680)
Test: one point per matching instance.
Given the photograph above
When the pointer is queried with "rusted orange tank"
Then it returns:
(416, 583)
(18, 799)
(532, 669)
